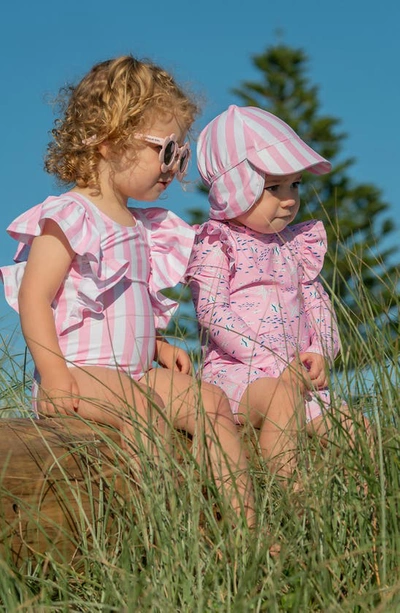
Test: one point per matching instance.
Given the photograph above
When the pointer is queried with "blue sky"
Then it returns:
(353, 48)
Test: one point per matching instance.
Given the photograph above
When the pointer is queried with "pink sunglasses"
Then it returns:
(170, 153)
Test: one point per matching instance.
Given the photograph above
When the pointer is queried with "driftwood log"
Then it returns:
(56, 477)
(61, 480)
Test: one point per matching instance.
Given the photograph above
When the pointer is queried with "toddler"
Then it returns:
(267, 325)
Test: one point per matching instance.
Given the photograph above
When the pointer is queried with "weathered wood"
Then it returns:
(60, 479)
(56, 478)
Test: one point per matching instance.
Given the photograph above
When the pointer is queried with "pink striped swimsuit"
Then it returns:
(108, 308)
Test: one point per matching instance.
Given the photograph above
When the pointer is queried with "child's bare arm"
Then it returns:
(48, 262)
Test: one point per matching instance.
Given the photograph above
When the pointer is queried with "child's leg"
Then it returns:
(203, 410)
(110, 397)
(341, 429)
(325, 424)
(277, 408)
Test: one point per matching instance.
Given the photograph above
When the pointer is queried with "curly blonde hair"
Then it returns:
(115, 99)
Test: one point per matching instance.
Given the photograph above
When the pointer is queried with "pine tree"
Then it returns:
(355, 215)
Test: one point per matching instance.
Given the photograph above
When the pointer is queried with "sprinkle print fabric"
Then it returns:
(109, 306)
(259, 303)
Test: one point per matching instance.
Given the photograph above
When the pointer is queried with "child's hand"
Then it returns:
(316, 367)
(174, 358)
(182, 361)
(58, 394)
(296, 374)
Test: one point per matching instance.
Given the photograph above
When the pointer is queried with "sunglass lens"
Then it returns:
(169, 153)
(184, 161)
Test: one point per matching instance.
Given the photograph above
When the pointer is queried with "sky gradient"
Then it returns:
(353, 48)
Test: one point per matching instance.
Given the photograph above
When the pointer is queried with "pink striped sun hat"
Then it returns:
(239, 147)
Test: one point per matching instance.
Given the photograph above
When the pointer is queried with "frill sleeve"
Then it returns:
(320, 314)
(313, 245)
(73, 219)
(211, 236)
(171, 240)
(71, 216)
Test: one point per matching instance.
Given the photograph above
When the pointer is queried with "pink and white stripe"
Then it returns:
(239, 147)
(109, 306)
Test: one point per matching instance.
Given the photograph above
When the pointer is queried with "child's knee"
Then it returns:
(286, 396)
(215, 400)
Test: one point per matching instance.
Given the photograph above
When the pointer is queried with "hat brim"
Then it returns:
(288, 156)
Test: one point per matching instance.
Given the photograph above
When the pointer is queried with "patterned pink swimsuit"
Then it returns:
(259, 303)
(108, 308)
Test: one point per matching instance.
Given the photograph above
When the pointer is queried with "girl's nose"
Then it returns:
(288, 202)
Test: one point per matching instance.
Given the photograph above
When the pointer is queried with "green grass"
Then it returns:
(161, 548)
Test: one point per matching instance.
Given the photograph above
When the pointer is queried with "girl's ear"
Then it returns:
(104, 150)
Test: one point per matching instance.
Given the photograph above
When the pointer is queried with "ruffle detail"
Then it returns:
(71, 216)
(171, 241)
(94, 275)
(101, 276)
(218, 231)
(312, 239)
